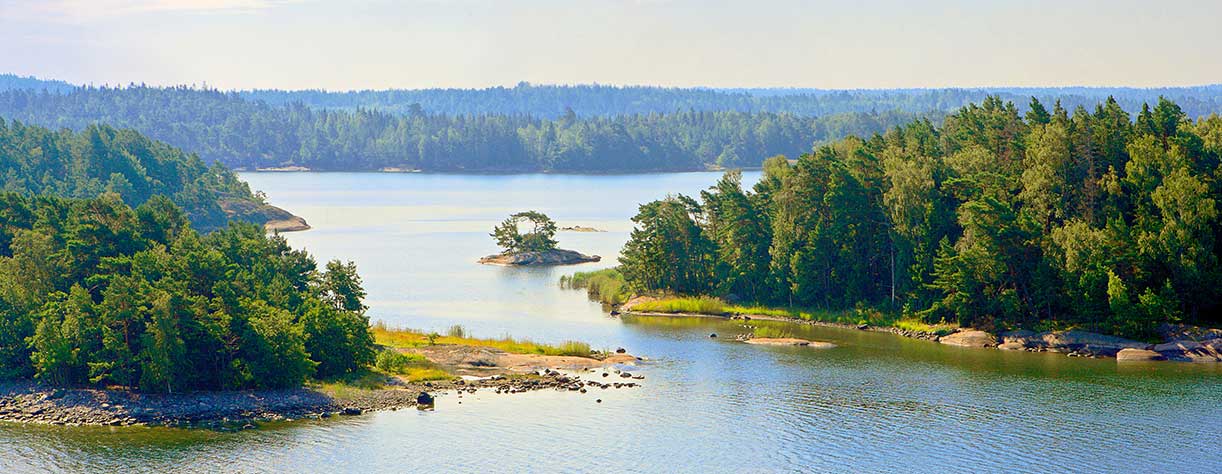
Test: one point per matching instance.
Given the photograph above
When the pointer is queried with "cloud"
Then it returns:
(81, 11)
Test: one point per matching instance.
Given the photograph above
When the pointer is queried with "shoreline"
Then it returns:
(1072, 343)
(474, 368)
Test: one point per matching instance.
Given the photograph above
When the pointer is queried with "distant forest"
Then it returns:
(595, 100)
(241, 133)
(585, 128)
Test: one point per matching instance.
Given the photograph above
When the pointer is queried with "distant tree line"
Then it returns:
(549, 101)
(95, 292)
(1055, 219)
(241, 133)
(100, 159)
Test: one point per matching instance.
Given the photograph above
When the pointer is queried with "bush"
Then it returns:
(395, 362)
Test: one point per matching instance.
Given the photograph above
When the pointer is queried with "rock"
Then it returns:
(425, 399)
(546, 257)
(1129, 354)
(863, 327)
(598, 401)
(969, 338)
(1012, 346)
(351, 411)
(620, 350)
(615, 312)
(713, 335)
(1072, 341)
(1180, 346)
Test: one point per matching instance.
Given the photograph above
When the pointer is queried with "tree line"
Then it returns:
(996, 219)
(227, 128)
(551, 101)
(93, 291)
(100, 159)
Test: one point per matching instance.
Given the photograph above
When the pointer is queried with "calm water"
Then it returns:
(875, 403)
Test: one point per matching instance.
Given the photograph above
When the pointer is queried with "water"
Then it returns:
(875, 403)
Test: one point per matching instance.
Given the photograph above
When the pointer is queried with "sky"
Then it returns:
(380, 44)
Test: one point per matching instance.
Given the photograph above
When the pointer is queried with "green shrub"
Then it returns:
(395, 362)
(606, 286)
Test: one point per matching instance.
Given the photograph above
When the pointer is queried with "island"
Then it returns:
(535, 247)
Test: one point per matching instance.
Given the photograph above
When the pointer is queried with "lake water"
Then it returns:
(877, 402)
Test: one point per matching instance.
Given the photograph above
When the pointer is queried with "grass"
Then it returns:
(859, 315)
(410, 338)
(683, 304)
(607, 285)
(351, 385)
(771, 332)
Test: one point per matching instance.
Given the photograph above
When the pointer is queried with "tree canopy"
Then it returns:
(101, 159)
(1087, 219)
(93, 291)
(540, 237)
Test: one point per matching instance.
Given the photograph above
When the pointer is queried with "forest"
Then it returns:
(95, 292)
(99, 159)
(593, 100)
(996, 219)
(227, 128)
(550, 101)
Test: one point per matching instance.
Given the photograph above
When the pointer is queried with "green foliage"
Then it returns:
(1085, 220)
(92, 291)
(123, 163)
(540, 237)
(606, 285)
(690, 305)
(395, 362)
(243, 133)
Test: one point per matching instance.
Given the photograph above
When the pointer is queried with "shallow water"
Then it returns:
(877, 402)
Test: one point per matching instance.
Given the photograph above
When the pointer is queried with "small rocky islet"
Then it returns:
(539, 258)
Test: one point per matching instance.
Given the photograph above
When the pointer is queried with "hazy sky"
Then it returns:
(359, 44)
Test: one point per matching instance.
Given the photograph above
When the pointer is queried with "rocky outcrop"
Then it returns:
(969, 338)
(545, 257)
(1209, 350)
(1137, 355)
(292, 224)
(1070, 342)
(29, 402)
(273, 219)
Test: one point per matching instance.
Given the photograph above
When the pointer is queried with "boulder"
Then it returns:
(969, 338)
(1012, 346)
(424, 399)
(1129, 354)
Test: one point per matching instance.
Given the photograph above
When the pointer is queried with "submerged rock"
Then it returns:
(969, 338)
(789, 341)
(546, 257)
